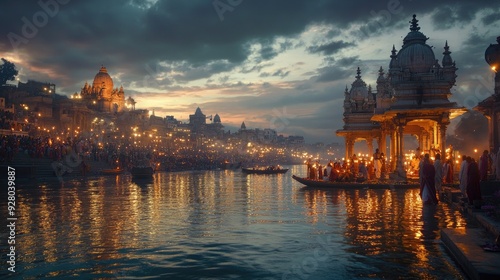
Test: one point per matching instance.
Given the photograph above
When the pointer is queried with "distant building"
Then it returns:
(37, 88)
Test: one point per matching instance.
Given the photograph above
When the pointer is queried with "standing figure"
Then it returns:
(427, 186)
(377, 164)
(483, 165)
(383, 168)
(462, 176)
(473, 181)
(438, 179)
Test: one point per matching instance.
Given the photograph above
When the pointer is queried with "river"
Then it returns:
(224, 225)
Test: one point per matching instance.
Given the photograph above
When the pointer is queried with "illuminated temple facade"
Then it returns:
(101, 96)
(412, 98)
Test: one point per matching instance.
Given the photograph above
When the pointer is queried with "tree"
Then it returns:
(8, 72)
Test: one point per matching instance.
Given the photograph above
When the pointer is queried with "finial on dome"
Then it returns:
(346, 89)
(381, 71)
(359, 74)
(393, 51)
(414, 24)
(103, 69)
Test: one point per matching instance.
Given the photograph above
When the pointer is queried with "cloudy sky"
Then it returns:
(281, 64)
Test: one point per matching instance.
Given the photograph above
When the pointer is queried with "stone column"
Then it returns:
(393, 149)
(346, 142)
(442, 131)
(382, 143)
(400, 160)
(369, 142)
(421, 140)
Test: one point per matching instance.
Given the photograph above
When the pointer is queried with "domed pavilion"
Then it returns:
(412, 98)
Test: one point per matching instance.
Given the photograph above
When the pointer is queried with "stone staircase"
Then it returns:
(41, 168)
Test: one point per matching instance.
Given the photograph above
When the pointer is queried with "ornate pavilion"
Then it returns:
(412, 98)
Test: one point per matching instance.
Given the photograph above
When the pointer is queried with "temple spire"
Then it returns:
(447, 61)
(358, 76)
(393, 56)
(414, 24)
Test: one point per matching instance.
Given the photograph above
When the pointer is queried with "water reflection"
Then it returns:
(388, 229)
(223, 224)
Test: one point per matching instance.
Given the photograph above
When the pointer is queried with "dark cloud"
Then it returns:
(166, 44)
(330, 48)
(331, 73)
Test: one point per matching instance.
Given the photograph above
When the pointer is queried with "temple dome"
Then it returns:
(415, 54)
(417, 57)
(102, 80)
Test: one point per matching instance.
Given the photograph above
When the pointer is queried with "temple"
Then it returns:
(411, 98)
(101, 96)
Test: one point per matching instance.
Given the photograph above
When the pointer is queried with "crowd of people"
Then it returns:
(85, 151)
(354, 170)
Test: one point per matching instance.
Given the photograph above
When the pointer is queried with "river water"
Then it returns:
(225, 225)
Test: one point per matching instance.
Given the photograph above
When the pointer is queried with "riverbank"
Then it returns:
(466, 245)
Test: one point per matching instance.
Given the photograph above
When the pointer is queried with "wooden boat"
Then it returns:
(353, 185)
(264, 171)
(142, 172)
(114, 171)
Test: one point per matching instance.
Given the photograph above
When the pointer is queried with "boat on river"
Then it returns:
(142, 170)
(354, 185)
(113, 171)
(268, 170)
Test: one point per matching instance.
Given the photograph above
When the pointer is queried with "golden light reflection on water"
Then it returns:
(112, 218)
(378, 221)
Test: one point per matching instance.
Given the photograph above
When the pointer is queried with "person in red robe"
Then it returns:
(473, 181)
(427, 184)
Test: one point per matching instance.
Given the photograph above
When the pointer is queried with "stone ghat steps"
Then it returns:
(42, 168)
(465, 245)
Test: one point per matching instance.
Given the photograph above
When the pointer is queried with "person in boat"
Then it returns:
(325, 175)
(312, 172)
(377, 164)
(309, 166)
(427, 185)
(329, 168)
(363, 171)
(383, 168)
(334, 174)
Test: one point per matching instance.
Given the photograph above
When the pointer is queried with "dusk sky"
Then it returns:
(271, 63)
